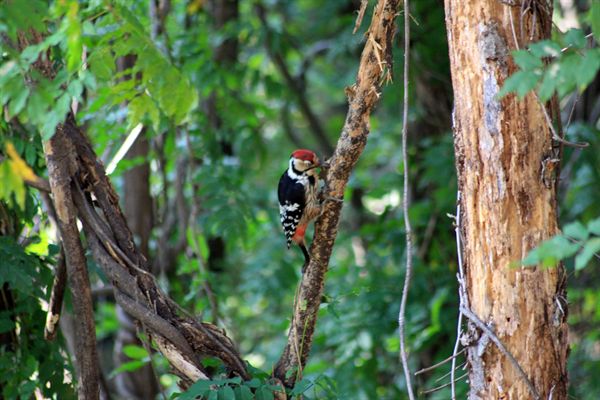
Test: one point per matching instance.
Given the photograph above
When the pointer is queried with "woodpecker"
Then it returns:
(298, 198)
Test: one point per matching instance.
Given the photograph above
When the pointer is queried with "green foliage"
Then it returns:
(562, 65)
(572, 66)
(576, 238)
(36, 364)
(230, 389)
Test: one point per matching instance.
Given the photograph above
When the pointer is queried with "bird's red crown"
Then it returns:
(306, 155)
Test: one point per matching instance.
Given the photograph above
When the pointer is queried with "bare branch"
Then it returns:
(434, 366)
(405, 206)
(435, 389)
(363, 96)
(360, 16)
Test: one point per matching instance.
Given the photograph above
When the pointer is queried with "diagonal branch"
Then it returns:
(362, 96)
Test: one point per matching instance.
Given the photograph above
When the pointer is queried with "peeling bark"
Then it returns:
(506, 207)
(375, 64)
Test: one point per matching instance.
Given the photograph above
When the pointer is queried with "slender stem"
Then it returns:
(462, 296)
(406, 204)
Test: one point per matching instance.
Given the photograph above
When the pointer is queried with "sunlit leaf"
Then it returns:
(591, 248)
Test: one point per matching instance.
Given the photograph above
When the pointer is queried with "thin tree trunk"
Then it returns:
(507, 204)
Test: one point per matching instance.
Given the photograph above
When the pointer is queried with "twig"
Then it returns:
(435, 389)
(434, 366)
(555, 136)
(361, 14)
(475, 319)
(405, 206)
(572, 112)
(462, 365)
(39, 184)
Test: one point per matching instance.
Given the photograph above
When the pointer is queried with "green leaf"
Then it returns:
(6, 323)
(548, 85)
(550, 251)
(576, 230)
(520, 82)
(200, 388)
(591, 247)
(545, 48)
(264, 393)
(226, 393)
(527, 61)
(594, 226)
(135, 352)
(595, 19)
(128, 367)
(301, 387)
(12, 185)
(243, 393)
(18, 103)
(11, 89)
(587, 68)
(17, 267)
(102, 63)
(72, 26)
(566, 74)
(575, 38)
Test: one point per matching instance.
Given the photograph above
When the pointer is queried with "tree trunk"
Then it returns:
(508, 206)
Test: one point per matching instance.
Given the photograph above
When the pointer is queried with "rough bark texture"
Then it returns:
(61, 164)
(375, 63)
(508, 205)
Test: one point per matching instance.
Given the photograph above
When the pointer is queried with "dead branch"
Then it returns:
(61, 165)
(360, 16)
(362, 98)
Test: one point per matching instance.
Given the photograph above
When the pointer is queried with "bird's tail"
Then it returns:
(306, 256)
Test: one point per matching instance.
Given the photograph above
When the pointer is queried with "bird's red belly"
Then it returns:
(299, 234)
